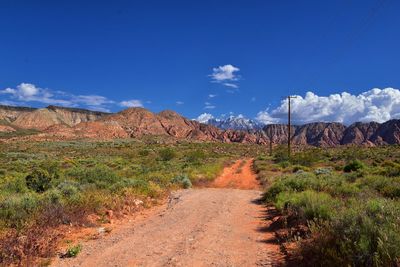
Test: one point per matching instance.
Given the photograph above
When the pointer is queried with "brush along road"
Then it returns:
(221, 226)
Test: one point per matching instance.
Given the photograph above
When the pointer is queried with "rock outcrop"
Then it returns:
(319, 134)
(41, 119)
(57, 123)
(359, 133)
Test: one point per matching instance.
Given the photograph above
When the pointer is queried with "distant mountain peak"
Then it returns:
(238, 122)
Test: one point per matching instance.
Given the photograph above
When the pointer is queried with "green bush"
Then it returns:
(144, 152)
(364, 234)
(308, 205)
(139, 184)
(280, 154)
(167, 154)
(73, 251)
(16, 210)
(39, 180)
(292, 183)
(390, 168)
(297, 168)
(353, 166)
(14, 185)
(284, 164)
(322, 171)
(195, 156)
(68, 189)
(386, 186)
(183, 180)
(307, 157)
(100, 176)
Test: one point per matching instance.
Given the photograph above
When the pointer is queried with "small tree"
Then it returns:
(39, 180)
(354, 165)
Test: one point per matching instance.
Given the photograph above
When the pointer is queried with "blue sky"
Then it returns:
(248, 55)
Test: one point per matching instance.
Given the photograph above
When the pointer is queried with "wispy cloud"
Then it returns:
(134, 103)
(179, 102)
(232, 85)
(374, 105)
(225, 75)
(211, 95)
(208, 105)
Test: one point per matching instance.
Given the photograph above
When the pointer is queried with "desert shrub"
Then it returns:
(280, 154)
(307, 205)
(292, 183)
(260, 165)
(16, 210)
(364, 234)
(100, 176)
(52, 167)
(52, 196)
(262, 157)
(182, 180)
(15, 184)
(322, 171)
(390, 168)
(284, 164)
(166, 154)
(386, 186)
(68, 188)
(205, 171)
(73, 251)
(344, 190)
(195, 156)
(23, 248)
(39, 180)
(139, 184)
(352, 153)
(352, 166)
(306, 157)
(297, 168)
(144, 152)
(351, 177)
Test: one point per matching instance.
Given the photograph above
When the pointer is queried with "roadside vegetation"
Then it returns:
(45, 186)
(338, 207)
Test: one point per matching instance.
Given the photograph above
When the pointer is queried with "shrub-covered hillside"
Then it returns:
(45, 185)
(339, 207)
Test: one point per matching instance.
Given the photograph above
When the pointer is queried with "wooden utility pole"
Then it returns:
(270, 140)
(289, 126)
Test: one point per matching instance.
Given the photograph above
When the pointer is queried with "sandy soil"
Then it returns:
(197, 227)
(239, 176)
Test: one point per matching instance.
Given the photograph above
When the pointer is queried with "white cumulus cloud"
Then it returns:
(28, 92)
(225, 75)
(205, 117)
(376, 104)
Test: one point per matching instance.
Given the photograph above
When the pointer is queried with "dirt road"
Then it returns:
(198, 227)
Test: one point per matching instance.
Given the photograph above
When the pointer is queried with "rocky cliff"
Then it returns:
(43, 118)
(68, 123)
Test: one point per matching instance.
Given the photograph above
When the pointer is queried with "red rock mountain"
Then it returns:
(58, 123)
(41, 119)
